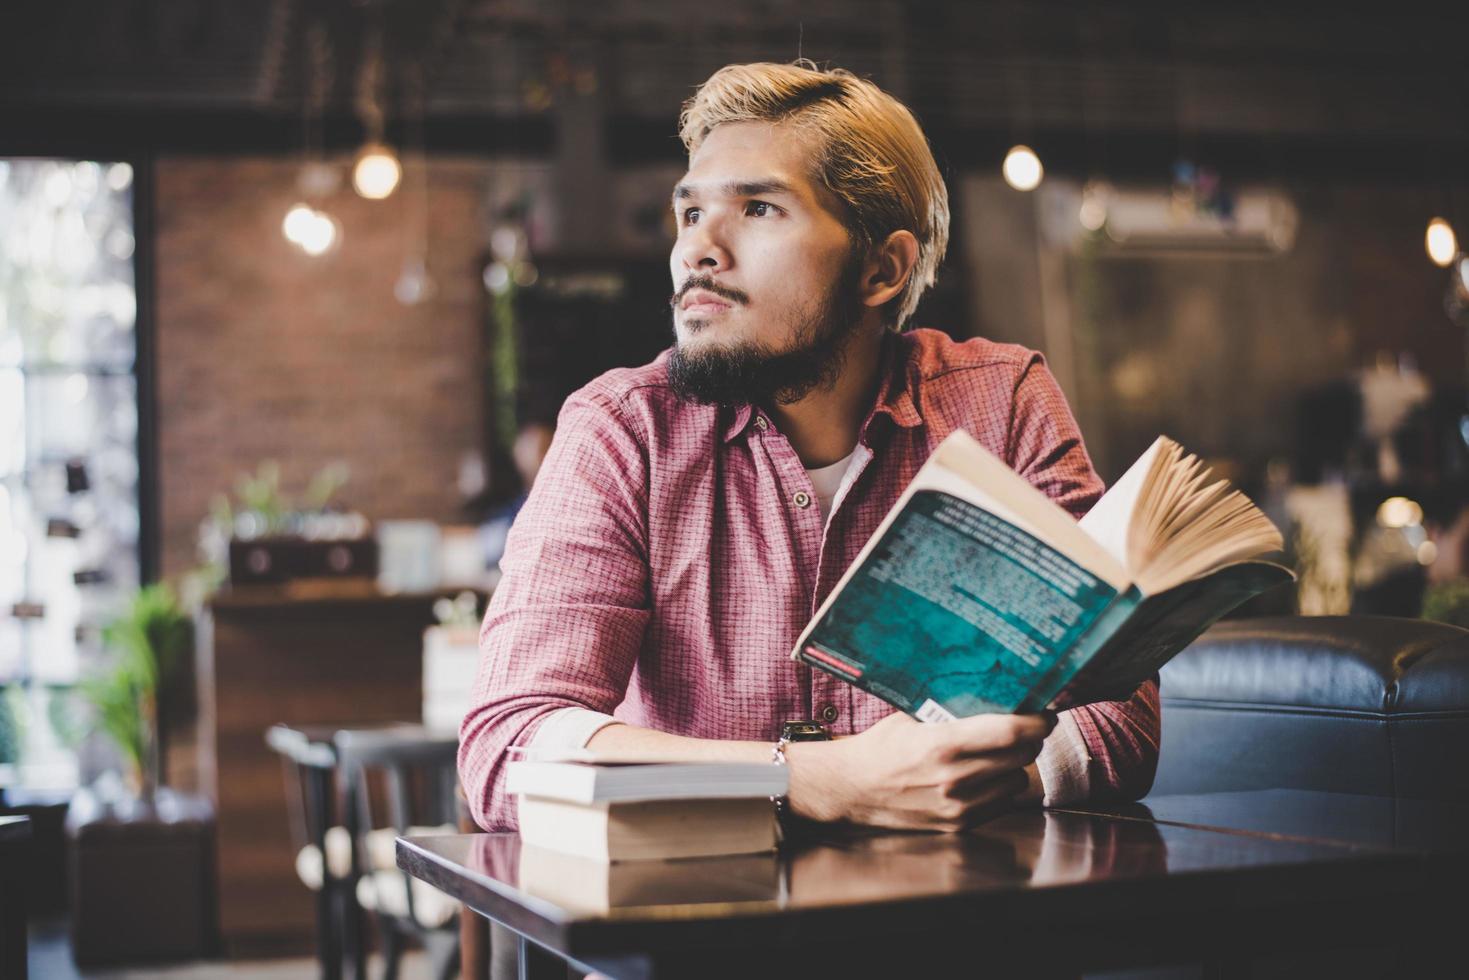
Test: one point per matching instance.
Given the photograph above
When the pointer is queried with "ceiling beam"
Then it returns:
(122, 133)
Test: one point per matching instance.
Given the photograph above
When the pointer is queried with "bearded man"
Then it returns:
(693, 513)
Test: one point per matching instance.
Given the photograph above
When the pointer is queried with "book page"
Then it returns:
(1111, 519)
(1187, 524)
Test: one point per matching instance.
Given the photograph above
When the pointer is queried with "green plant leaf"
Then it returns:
(146, 641)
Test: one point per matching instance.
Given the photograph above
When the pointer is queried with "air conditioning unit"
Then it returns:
(1140, 222)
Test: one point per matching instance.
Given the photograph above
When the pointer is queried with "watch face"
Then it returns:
(804, 731)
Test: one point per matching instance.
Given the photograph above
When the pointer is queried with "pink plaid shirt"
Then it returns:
(670, 554)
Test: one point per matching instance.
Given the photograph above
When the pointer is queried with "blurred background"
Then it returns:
(291, 292)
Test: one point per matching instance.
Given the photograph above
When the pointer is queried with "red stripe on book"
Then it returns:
(828, 659)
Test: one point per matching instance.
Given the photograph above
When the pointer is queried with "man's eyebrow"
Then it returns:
(739, 188)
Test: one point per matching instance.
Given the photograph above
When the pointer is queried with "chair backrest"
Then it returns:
(308, 768)
(1370, 705)
(418, 775)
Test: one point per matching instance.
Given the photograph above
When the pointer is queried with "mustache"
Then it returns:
(709, 286)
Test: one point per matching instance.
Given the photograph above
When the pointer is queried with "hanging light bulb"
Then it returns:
(313, 232)
(297, 223)
(497, 277)
(1093, 210)
(414, 284)
(1022, 168)
(377, 171)
(320, 235)
(318, 180)
(1440, 242)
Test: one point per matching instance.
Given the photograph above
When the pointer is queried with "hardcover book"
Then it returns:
(584, 885)
(978, 594)
(643, 829)
(584, 776)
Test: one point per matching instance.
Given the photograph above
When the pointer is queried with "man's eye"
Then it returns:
(759, 208)
(689, 216)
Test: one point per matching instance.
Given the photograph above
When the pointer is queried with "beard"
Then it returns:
(750, 372)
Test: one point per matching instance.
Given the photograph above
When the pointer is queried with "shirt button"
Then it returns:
(829, 713)
(760, 423)
(802, 499)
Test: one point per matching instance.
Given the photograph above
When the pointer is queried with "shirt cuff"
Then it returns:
(1064, 764)
(569, 728)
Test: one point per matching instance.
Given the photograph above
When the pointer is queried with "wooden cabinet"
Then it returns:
(272, 655)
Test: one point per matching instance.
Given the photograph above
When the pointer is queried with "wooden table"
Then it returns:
(1221, 880)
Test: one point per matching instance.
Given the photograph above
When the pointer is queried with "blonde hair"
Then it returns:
(870, 153)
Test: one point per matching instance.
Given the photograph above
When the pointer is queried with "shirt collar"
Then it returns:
(894, 392)
(738, 420)
(897, 378)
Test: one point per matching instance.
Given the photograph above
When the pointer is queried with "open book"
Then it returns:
(978, 594)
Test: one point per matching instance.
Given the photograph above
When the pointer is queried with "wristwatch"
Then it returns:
(794, 731)
(798, 731)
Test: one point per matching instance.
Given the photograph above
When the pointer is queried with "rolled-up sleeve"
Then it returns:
(1122, 740)
(1045, 446)
(566, 622)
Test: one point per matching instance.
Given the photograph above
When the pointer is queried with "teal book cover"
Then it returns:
(956, 612)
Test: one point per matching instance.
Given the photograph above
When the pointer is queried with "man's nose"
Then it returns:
(702, 249)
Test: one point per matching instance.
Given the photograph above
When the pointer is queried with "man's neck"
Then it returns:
(823, 427)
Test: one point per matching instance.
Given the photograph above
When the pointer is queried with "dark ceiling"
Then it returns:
(1298, 85)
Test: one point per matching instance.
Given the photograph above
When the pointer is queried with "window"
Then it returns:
(69, 463)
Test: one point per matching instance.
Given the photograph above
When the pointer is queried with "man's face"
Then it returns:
(764, 272)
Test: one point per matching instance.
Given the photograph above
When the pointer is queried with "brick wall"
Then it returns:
(266, 353)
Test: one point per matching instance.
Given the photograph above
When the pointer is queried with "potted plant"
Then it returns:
(146, 640)
(153, 835)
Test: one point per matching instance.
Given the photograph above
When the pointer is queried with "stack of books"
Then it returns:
(616, 809)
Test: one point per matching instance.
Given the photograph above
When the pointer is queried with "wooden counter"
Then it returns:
(299, 655)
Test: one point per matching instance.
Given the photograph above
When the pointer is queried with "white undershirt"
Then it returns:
(827, 481)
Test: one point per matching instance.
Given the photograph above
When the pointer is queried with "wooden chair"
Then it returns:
(401, 782)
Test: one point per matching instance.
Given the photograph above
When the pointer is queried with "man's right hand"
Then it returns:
(905, 774)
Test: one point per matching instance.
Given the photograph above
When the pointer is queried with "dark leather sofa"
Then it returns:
(1369, 705)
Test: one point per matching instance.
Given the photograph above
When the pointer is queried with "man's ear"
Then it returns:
(888, 267)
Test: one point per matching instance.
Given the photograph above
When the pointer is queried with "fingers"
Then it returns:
(964, 781)
(982, 800)
(984, 734)
(999, 799)
(945, 776)
(986, 767)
